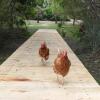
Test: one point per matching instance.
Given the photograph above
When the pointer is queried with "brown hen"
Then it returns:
(62, 65)
(44, 52)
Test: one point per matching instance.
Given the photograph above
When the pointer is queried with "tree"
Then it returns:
(72, 8)
(92, 22)
(57, 9)
(89, 12)
(11, 10)
(38, 13)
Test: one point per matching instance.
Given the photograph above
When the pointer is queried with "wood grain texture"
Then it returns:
(37, 82)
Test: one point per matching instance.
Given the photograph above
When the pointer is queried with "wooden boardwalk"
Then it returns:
(23, 77)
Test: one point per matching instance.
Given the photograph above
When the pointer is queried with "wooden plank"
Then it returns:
(23, 77)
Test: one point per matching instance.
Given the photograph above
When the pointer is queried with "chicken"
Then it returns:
(61, 65)
(44, 52)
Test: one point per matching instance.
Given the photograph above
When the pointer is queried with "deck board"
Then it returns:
(40, 83)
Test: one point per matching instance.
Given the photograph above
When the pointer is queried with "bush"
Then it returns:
(61, 30)
(59, 25)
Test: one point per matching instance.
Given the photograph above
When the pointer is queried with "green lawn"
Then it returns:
(35, 26)
(42, 26)
(69, 30)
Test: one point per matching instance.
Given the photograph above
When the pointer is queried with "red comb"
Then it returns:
(43, 44)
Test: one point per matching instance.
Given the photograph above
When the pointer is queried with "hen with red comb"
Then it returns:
(44, 52)
(61, 65)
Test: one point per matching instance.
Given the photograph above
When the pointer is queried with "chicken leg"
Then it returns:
(43, 61)
(60, 81)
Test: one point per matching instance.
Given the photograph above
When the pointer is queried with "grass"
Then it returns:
(69, 30)
(35, 26)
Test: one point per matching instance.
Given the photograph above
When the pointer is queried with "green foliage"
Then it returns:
(59, 25)
(39, 2)
(47, 14)
(92, 24)
(41, 26)
(89, 12)
(69, 30)
(11, 10)
(57, 9)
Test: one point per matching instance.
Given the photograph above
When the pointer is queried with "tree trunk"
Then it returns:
(56, 19)
(74, 21)
(62, 21)
(38, 18)
(11, 23)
